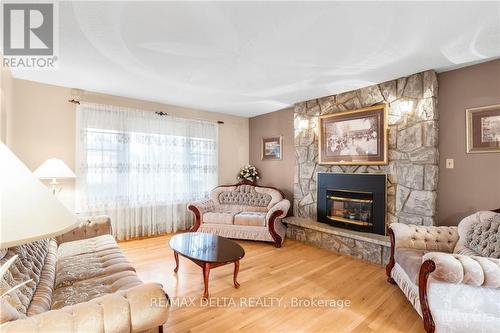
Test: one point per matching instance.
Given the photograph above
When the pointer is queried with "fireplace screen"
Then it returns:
(351, 208)
(352, 201)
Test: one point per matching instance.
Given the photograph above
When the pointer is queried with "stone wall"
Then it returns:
(412, 171)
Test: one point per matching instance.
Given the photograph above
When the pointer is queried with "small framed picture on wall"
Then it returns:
(483, 129)
(272, 148)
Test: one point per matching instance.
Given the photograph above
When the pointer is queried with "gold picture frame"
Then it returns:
(271, 148)
(483, 129)
(374, 139)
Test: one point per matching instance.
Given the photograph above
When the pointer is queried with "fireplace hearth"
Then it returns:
(352, 201)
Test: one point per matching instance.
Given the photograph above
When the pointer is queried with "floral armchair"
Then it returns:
(451, 275)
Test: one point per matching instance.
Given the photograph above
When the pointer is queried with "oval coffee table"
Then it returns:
(207, 251)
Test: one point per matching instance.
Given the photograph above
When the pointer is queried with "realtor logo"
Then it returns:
(28, 29)
(29, 35)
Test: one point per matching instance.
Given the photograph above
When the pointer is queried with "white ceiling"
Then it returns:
(250, 58)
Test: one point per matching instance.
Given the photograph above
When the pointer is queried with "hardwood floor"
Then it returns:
(267, 274)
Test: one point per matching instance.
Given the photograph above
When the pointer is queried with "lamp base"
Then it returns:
(55, 187)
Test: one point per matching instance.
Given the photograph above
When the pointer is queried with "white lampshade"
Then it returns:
(54, 168)
(28, 211)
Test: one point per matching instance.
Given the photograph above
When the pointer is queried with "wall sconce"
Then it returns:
(406, 107)
(303, 124)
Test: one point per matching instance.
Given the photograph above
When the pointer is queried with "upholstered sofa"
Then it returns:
(243, 211)
(451, 275)
(81, 282)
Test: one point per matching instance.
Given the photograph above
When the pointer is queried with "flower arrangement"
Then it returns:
(249, 173)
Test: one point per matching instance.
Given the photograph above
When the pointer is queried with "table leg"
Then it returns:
(206, 271)
(235, 275)
(176, 256)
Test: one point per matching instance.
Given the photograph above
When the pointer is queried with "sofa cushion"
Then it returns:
(467, 252)
(83, 291)
(220, 217)
(88, 258)
(410, 261)
(86, 266)
(29, 265)
(8, 312)
(90, 268)
(91, 245)
(42, 298)
(484, 237)
(246, 197)
(250, 218)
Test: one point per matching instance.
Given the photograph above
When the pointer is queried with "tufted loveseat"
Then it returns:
(451, 275)
(81, 282)
(243, 211)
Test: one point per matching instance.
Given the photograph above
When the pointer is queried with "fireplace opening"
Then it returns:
(352, 201)
(350, 208)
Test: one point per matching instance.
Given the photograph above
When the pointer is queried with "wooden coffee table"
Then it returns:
(207, 251)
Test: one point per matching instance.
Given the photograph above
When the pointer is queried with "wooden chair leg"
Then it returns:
(426, 269)
(392, 262)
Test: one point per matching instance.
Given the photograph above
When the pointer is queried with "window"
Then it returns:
(141, 168)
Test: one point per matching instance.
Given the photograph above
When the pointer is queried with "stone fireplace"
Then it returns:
(411, 172)
(412, 169)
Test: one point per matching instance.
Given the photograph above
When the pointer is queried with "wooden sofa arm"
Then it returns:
(454, 269)
(283, 206)
(199, 208)
(137, 309)
(89, 227)
(279, 210)
(428, 266)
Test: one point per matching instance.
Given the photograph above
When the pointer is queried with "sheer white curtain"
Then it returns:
(141, 168)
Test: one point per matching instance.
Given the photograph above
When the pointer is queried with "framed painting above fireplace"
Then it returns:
(357, 137)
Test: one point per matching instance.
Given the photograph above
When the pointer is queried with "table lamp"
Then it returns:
(28, 212)
(54, 168)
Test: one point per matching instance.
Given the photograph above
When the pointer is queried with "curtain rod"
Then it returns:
(161, 113)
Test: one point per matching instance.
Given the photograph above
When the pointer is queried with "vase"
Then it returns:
(247, 182)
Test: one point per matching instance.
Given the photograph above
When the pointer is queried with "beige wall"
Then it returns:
(274, 173)
(474, 183)
(6, 101)
(43, 126)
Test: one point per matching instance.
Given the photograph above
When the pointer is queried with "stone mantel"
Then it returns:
(366, 246)
(323, 227)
